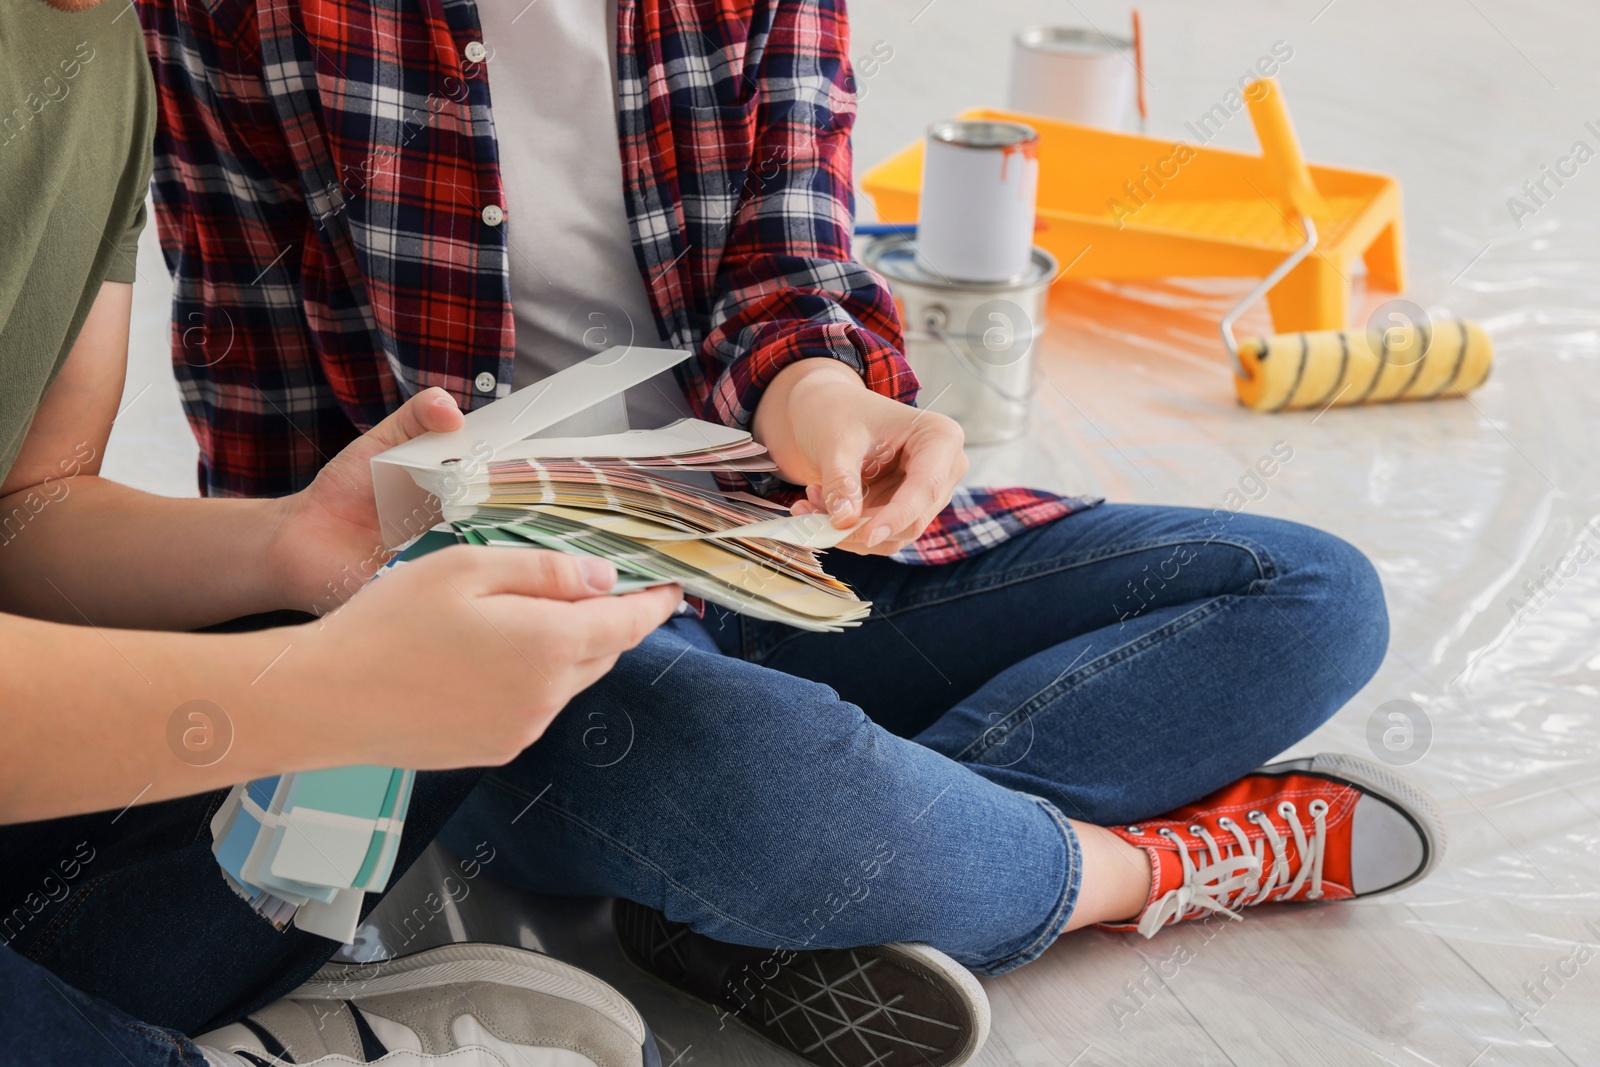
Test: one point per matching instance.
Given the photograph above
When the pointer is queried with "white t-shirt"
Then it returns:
(575, 285)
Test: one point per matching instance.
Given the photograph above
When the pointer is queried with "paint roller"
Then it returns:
(1336, 368)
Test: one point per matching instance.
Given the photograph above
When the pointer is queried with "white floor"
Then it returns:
(1460, 503)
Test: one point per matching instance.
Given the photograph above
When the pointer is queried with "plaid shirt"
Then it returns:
(321, 179)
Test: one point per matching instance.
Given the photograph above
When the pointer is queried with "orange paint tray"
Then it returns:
(1212, 213)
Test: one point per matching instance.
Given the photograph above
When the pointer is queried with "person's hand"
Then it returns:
(859, 453)
(460, 658)
(328, 533)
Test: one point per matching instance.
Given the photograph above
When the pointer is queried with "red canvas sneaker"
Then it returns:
(1324, 828)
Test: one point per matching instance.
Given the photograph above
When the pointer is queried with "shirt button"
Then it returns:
(493, 216)
(485, 382)
(476, 52)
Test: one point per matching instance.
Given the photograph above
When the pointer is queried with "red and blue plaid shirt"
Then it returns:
(321, 175)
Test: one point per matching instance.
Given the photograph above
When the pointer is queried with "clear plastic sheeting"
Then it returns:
(1482, 515)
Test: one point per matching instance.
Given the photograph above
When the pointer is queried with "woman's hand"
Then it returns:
(859, 454)
(328, 535)
(458, 659)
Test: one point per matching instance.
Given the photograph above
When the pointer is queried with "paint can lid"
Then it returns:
(895, 257)
(982, 133)
(1071, 40)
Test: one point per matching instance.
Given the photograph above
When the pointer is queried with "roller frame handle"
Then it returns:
(1280, 148)
(1277, 275)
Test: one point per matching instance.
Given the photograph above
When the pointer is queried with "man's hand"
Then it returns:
(332, 524)
(458, 659)
(859, 454)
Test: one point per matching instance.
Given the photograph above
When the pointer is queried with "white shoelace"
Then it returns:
(1222, 885)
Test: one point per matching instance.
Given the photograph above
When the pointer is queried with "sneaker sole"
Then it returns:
(858, 1007)
(1378, 780)
(478, 962)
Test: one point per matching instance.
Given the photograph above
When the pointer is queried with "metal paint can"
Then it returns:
(979, 183)
(971, 344)
(1074, 75)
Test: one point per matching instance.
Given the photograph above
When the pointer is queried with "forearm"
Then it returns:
(774, 424)
(459, 659)
(96, 719)
(103, 554)
(788, 288)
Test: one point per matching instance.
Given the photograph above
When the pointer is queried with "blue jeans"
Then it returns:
(61, 1027)
(910, 780)
(118, 935)
(904, 781)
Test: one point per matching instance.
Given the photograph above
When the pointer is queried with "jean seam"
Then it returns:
(601, 835)
(58, 923)
(156, 1034)
(1016, 575)
(1266, 570)
(1056, 925)
(750, 649)
(1050, 693)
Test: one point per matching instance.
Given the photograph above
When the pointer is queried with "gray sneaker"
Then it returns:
(467, 1005)
(856, 1007)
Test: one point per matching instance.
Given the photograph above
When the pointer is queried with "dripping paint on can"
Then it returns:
(980, 181)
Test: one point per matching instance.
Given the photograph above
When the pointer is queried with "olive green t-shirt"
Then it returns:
(77, 115)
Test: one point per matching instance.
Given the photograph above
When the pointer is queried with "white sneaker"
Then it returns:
(467, 1005)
